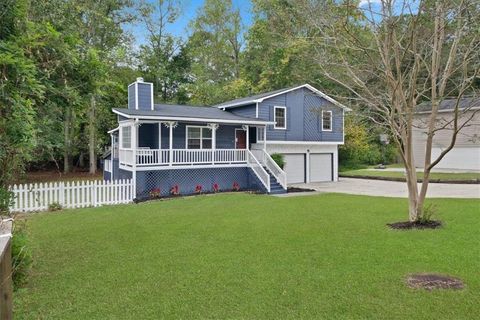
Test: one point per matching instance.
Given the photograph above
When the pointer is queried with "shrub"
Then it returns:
(215, 187)
(6, 200)
(362, 145)
(54, 206)
(428, 213)
(155, 193)
(21, 256)
(279, 160)
(198, 189)
(175, 190)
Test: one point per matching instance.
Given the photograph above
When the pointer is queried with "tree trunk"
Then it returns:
(92, 138)
(81, 160)
(67, 126)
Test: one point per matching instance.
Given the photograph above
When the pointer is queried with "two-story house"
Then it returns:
(186, 147)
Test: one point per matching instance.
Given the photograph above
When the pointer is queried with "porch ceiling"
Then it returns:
(188, 113)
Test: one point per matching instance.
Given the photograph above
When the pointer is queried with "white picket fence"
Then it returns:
(71, 194)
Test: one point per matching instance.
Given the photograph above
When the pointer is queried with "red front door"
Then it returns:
(240, 139)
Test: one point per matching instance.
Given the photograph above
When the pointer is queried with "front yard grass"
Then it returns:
(240, 256)
(443, 176)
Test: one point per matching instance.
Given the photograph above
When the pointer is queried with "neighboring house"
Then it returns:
(465, 155)
(162, 146)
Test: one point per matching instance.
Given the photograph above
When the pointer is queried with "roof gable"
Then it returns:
(264, 96)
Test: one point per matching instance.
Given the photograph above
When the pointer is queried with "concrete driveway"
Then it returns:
(392, 188)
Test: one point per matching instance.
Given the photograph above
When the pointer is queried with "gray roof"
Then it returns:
(449, 104)
(251, 99)
(173, 112)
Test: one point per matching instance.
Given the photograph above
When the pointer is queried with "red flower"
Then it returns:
(198, 188)
(236, 186)
(215, 187)
(175, 190)
(154, 193)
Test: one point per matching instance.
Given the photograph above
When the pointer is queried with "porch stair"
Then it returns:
(275, 187)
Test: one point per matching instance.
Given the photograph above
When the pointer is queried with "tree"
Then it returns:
(163, 59)
(100, 24)
(392, 57)
(215, 47)
(19, 89)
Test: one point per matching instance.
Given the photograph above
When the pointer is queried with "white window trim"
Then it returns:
(275, 117)
(331, 120)
(260, 134)
(122, 128)
(201, 137)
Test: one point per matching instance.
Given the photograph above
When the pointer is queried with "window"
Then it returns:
(126, 137)
(260, 133)
(280, 117)
(326, 120)
(199, 137)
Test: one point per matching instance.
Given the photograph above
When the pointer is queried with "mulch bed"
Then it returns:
(430, 281)
(409, 225)
(205, 193)
(296, 189)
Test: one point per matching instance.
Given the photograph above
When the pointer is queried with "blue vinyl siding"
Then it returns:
(144, 96)
(249, 111)
(225, 136)
(304, 110)
(131, 97)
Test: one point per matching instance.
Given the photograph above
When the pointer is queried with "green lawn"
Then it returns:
(446, 176)
(240, 256)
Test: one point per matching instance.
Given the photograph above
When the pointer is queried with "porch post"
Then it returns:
(247, 129)
(134, 142)
(112, 156)
(265, 138)
(213, 127)
(170, 143)
(160, 136)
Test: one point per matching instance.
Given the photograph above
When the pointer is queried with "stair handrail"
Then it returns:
(274, 168)
(260, 172)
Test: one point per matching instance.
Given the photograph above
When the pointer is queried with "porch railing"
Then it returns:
(163, 157)
(260, 172)
(266, 160)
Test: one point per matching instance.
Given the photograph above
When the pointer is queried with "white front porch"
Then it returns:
(192, 146)
(156, 159)
(181, 145)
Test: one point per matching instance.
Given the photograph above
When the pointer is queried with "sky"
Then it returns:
(188, 12)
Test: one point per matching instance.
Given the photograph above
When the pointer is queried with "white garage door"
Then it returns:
(295, 167)
(320, 167)
(465, 158)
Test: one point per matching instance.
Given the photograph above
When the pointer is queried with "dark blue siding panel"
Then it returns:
(131, 97)
(188, 179)
(225, 136)
(303, 114)
(144, 96)
(245, 111)
(314, 105)
(118, 173)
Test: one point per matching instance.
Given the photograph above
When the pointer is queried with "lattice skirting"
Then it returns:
(188, 179)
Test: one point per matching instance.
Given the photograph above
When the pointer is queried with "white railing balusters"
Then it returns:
(262, 175)
(160, 157)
